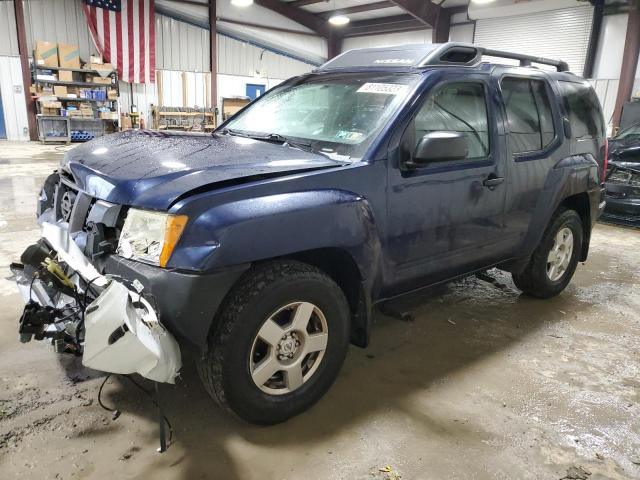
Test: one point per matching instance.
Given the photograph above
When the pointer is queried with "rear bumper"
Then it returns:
(186, 302)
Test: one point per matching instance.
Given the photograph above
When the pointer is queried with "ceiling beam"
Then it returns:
(302, 3)
(298, 15)
(358, 8)
(376, 26)
(423, 10)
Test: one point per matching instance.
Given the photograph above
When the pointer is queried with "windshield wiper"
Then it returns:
(237, 133)
(279, 138)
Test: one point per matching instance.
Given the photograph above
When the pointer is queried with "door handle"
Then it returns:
(492, 182)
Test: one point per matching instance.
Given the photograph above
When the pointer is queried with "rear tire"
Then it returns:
(552, 265)
(282, 315)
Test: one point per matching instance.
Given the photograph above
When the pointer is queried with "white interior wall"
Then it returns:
(387, 39)
(13, 104)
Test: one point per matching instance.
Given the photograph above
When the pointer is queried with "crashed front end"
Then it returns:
(622, 193)
(112, 322)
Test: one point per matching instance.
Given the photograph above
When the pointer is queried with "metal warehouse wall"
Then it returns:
(562, 33)
(179, 45)
(8, 35)
(185, 47)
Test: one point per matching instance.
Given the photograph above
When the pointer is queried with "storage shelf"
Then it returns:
(76, 84)
(185, 114)
(69, 99)
(63, 69)
(79, 119)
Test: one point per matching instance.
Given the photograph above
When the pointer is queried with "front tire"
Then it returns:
(554, 262)
(279, 342)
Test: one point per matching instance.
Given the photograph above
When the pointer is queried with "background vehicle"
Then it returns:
(623, 177)
(266, 245)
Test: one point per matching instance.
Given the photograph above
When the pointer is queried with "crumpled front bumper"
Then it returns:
(122, 332)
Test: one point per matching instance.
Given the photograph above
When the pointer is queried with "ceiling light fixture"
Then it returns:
(482, 2)
(241, 3)
(339, 19)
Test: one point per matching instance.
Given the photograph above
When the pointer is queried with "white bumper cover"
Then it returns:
(122, 331)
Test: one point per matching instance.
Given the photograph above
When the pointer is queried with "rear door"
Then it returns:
(446, 218)
(534, 146)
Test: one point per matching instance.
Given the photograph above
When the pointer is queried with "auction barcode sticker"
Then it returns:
(384, 88)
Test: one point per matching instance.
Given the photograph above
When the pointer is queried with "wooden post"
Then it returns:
(26, 71)
(629, 61)
(334, 45)
(213, 55)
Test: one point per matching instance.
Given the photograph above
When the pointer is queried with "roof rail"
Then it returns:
(453, 53)
(430, 54)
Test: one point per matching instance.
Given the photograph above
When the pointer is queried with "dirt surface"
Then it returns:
(477, 382)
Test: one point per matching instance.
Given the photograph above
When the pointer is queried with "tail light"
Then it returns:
(605, 163)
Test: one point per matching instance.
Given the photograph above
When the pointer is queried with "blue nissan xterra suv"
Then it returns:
(266, 245)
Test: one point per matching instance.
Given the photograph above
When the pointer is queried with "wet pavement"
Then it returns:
(479, 382)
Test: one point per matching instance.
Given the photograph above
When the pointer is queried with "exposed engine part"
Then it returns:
(110, 323)
(100, 240)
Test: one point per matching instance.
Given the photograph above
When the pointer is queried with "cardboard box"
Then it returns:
(112, 94)
(103, 68)
(125, 122)
(51, 111)
(50, 104)
(72, 90)
(65, 76)
(68, 56)
(60, 90)
(74, 113)
(46, 54)
(95, 59)
(109, 115)
(101, 81)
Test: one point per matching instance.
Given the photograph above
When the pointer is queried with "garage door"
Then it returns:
(561, 34)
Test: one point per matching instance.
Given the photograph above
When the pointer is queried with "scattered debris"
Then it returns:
(451, 321)
(576, 473)
(562, 312)
(386, 472)
(391, 312)
(599, 456)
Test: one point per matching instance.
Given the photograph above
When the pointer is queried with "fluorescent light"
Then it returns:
(339, 20)
(479, 2)
(241, 3)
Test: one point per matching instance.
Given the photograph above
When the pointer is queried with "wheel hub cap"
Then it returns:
(560, 254)
(288, 348)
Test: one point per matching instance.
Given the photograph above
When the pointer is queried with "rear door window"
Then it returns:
(529, 114)
(583, 110)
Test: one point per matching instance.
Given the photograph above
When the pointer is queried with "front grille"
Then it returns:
(71, 205)
(625, 177)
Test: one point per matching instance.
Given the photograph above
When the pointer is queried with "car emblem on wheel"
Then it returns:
(66, 205)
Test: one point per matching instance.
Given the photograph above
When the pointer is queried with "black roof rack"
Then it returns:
(433, 54)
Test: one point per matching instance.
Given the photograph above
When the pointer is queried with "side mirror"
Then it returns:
(440, 147)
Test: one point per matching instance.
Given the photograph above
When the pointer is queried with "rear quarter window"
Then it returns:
(583, 110)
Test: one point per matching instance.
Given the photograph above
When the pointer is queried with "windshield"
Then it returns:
(632, 131)
(337, 115)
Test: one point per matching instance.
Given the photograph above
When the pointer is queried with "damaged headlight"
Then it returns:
(150, 236)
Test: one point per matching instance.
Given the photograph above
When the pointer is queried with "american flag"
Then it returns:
(123, 31)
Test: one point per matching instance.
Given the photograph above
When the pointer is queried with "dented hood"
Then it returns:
(153, 169)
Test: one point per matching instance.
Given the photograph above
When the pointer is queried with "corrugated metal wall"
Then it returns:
(179, 45)
(184, 47)
(60, 21)
(562, 34)
(8, 35)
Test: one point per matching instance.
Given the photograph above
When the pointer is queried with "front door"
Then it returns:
(447, 217)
